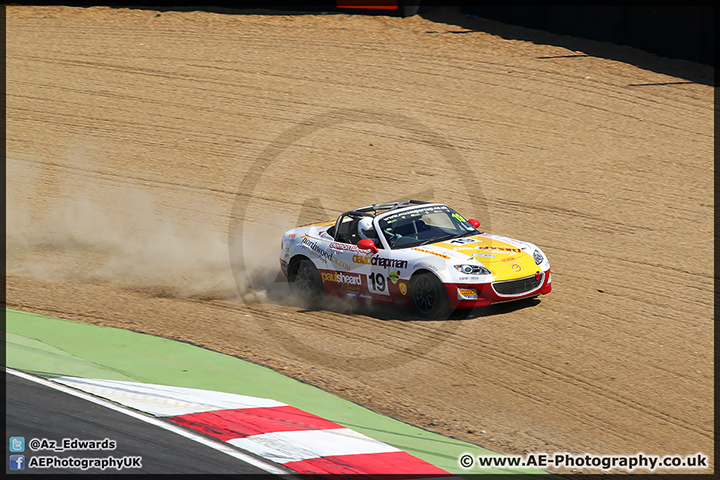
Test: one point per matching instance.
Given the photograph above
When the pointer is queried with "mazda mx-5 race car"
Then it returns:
(415, 253)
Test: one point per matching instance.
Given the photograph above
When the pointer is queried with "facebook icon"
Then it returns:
(17, 462)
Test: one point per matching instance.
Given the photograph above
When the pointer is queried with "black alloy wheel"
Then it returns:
(305, 280)
(428, 297)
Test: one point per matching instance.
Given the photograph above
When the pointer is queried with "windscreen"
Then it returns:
(423, 225)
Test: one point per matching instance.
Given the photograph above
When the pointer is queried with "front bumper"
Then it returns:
(470, 295)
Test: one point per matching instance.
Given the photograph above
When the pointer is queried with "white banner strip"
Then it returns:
(164, 400)
(284, 447)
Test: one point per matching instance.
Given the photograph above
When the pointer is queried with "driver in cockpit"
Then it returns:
(366, 230)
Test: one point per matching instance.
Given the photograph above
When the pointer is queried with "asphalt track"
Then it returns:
(37, 411)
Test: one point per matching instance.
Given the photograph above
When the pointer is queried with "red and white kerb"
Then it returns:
(301, 441)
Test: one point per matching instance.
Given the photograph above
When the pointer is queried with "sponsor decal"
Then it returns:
(379, 261)
(467, 294)
(482, 255)
(462, 242)
(388, 262)
(516, 242)
(292, 235)
(365, 259)
(495, 249)
(341, 264)
(516, 267)
(347, 247)
(347, 280)
(317, 250)
(505, 239)
(424, 265)
(403, 288)
(459, 217)
(416, 212)
(442, 255)
(394, 277)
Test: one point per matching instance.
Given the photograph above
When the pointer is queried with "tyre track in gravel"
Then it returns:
(345, 326)
(489, 351)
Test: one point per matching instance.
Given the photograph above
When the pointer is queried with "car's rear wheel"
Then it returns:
(305, 280)
(428, 296)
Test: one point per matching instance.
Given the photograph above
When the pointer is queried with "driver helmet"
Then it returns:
(366, 229)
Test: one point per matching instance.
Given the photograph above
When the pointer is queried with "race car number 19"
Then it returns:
(377, 282)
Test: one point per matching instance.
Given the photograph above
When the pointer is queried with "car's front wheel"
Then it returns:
(305, 280)
(428, 296)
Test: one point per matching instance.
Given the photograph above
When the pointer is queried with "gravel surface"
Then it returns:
(146, 150)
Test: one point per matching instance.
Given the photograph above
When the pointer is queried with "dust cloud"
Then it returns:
(72, 223)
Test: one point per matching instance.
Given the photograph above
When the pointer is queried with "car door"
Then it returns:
(351, 268)
(387, 270)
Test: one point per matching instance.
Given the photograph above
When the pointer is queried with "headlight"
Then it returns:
(538, 257)
(472, 269)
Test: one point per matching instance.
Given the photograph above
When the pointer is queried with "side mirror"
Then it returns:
(474, 223)
(367, 244)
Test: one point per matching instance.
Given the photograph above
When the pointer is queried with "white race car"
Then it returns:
(418, 253)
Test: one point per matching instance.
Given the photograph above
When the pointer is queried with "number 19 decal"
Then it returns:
(463, 241)
(377, 283)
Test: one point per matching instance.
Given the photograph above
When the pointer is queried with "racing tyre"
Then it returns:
(305, 281)
(428, 297)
